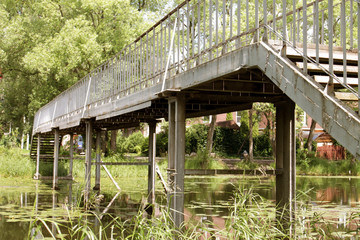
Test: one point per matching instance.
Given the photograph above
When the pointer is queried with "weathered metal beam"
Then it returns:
(220, 110)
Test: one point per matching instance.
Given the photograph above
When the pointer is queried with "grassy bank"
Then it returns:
(15, 162)
(314, 166)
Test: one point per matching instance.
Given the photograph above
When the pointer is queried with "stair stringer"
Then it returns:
(342, 123)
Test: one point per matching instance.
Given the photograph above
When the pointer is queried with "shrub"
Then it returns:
(230, 142)
(196, 136)
(135, 143)
(262, 146)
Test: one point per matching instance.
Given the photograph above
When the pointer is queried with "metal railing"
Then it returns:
(202, 30)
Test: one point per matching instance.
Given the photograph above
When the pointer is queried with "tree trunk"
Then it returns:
(209, 142)
(311, 135)
(105, 149)
(251, 140)
(113, 140)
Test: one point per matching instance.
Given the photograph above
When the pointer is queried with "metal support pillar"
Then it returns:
(285, 165)
(56, 158)
(89, 131)
(152, 154)
(98, 159)
(37, 174)
(176, 158)
(71, 154)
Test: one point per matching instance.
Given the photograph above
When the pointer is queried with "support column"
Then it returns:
(177, 157)
(56, 159)
(89, 131)
(71, 154)
(37, 174)
(152, 155)
(98, 159)
(285, 166)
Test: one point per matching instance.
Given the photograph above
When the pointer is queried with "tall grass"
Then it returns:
(15, 162)
(319, 166)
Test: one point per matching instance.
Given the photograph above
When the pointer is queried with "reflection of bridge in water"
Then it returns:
(212, 56)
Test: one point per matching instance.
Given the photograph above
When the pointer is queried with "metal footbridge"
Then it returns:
(214, 56)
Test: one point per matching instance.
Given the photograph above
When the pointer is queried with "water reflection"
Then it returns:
(207, 199)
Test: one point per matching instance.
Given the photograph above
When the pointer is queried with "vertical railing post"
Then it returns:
(316, 24)
(265, 37)
(256, 39)
(343, 40)
(358, 47)
(305, 35)
(284, 35)
(351, 24)
(330, 85)
(294, 24)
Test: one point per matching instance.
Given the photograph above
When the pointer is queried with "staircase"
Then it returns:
(335, 113)
(340, 92)
(46, 147)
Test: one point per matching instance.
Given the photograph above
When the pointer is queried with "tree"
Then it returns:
(251, 139)
(47, 45)
(209, 142)
(311, 135)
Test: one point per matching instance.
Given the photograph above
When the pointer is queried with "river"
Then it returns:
(207, 199)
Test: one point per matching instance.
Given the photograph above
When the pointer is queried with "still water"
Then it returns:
(206, 199)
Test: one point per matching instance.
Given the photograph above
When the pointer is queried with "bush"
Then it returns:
(196, 136)
(262, 146)
(230, 142)
(13, 163)
(135, 143)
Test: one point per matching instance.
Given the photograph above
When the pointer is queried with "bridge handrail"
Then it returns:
(206, 29)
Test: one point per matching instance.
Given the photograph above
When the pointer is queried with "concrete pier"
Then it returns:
(285, 165)
(176, 163)
(56, 158)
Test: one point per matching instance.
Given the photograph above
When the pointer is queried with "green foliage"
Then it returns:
(229, 116)
(135, 143)
(308, 164)
(162, 143)
(231, 142)
(8, 141)
(202, 160)
(195, 136)
(14, 163)
(46, 46)
(262, 146)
